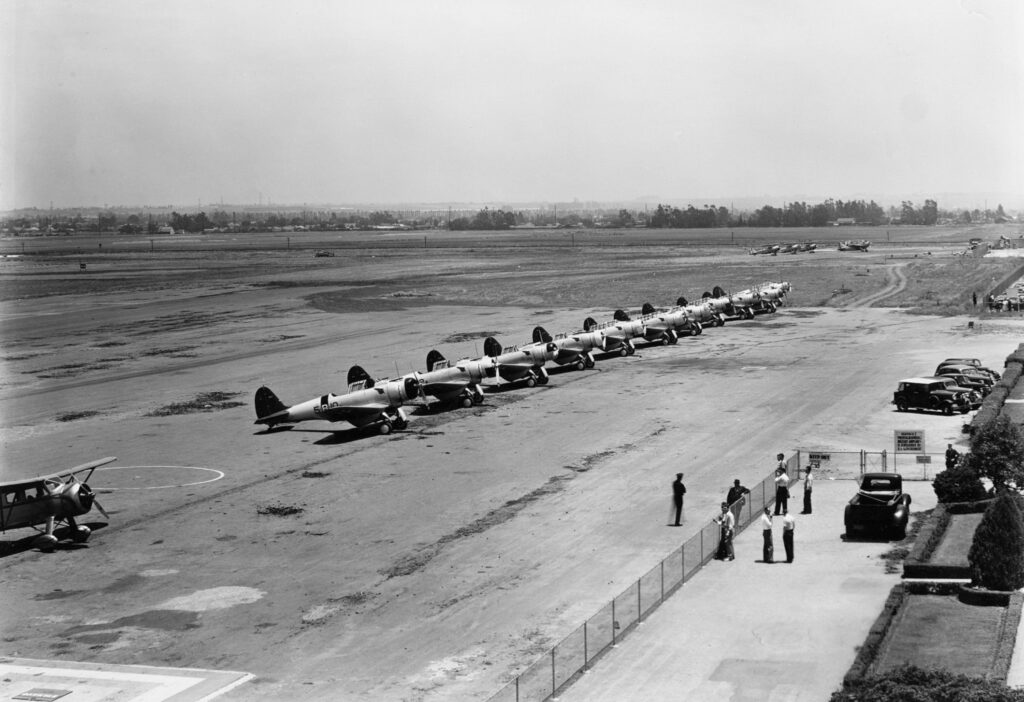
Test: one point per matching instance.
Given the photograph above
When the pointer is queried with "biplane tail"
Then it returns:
(540, 335)
(433, 357)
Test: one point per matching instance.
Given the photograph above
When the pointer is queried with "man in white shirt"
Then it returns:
(728, 526)
(768, 553)
(781, 490)
(788, 527)
(808, 484)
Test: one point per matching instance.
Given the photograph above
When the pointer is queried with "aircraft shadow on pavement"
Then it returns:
(27, 543)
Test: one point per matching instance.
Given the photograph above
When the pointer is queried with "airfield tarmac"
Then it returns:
(437, 562)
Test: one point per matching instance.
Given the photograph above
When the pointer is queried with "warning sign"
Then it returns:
(909, 441)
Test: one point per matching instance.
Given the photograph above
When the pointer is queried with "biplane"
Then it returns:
(618, 334)
(44, 503)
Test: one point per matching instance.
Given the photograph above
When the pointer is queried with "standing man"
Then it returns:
(952, 456)
(678, 490)
(727, 523)
(808, 484)
(736, 499)
(788, 526)
(768, 553)
(974, 297)
(781, 487)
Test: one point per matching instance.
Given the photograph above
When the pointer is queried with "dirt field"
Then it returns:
(437, 562)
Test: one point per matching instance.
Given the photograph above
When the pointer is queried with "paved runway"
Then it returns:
(46, 681)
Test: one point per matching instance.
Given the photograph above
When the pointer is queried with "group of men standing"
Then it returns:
(736, 498)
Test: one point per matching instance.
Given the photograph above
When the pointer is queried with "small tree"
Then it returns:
(997, 554)
(997, 453)
(959, 484)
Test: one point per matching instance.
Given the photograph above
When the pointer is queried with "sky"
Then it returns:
(199, 102)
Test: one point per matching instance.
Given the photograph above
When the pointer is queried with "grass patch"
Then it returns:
(204, 402)
(279, 510)
(72, 416)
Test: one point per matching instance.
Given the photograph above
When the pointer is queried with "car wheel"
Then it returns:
(947, 410)
(901, 407)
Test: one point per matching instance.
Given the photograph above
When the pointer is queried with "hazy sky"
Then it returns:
(312, 101)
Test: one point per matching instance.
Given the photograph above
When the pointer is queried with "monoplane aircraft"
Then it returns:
(667, 326)
(44, 502)
(808, 247)
(366, 402)
(573, 349)
(458, 383)
(860, 245)
(767, 250)
(618, 334)
(515, 364)
(789, 248)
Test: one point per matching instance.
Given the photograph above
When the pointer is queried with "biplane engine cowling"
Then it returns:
(79, 499)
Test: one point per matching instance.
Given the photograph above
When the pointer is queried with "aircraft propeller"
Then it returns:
(87, 497)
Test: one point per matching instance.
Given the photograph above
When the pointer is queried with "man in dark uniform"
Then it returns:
(678, 490)
(952, 456)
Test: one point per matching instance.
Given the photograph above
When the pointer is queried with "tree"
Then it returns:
(997, 554)
(959, 484)
(930, 212)
(997, 453)
(908, 683)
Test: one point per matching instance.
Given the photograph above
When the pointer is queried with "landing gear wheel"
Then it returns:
(623, 351)
(401, 424)
(531, 381)
(630, 350)
(542, 380)
(385, 428)
(466, 401)
(477, 398)
(590, 363)
(581, 364)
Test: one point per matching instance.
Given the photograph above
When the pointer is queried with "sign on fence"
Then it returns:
(819, 458)
(909, 440)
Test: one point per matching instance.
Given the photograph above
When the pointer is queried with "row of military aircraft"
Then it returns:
(776, 249)
(380, 402)
(52, 504)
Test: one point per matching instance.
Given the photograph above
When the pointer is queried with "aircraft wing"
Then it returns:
(36, 480)
(442, 387)
(355, 412)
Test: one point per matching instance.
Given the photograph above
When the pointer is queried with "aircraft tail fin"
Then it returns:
(718, 291)
(268, 405)
(589, 323)
(356, 374)
(648, 308)
(682, 301)
(621, 316)
(433, 357)
(491, 347)
(540, 334)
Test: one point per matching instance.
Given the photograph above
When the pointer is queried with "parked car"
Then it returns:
(969, 371)
(974, 398)
(880, 506)
(967, 381)
(970, 362)
(930, 394)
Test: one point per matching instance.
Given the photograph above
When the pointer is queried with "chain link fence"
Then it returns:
(850, 465)
(616, 619)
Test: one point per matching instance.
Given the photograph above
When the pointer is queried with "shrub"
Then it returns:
(959, 484)
(997, 553)
(997, 453)
(912, 684)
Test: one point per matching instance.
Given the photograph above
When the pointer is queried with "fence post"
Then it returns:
(586, 654)
(639, 604)
(885, 461)
(613, 623)
(552, 672)
(663, 581)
